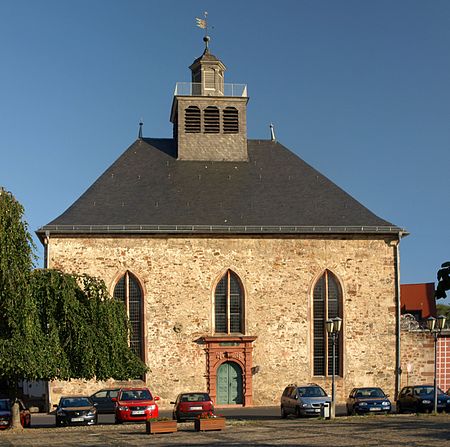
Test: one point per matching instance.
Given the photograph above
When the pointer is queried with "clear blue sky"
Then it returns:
(359, 89)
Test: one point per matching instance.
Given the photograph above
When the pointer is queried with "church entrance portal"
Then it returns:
(229, 369)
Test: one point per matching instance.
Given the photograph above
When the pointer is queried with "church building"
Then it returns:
(230, 255)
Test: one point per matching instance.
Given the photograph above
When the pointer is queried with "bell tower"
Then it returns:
(209, 116)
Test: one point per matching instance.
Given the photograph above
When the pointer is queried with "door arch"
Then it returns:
(229, 384)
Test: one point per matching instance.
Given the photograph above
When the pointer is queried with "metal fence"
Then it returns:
(194, 89)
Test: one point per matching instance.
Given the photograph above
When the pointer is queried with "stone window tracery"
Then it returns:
(128, 291)
(327, 304)
(229, 305)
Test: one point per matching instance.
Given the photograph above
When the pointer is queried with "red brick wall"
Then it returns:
(443, 369)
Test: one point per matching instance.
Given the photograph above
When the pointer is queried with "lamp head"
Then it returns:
(337, 324)
(431, 323)
(329, 325)
(441, 322)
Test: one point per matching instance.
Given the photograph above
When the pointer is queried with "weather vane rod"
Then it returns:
(203, 23)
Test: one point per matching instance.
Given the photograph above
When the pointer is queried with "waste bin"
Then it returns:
(325, 410)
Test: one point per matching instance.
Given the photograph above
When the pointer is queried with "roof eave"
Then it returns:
(48, 230)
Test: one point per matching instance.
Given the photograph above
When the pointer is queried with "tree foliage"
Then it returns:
(54, 324)
(444, 309)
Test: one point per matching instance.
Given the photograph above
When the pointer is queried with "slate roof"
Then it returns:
(147, 190)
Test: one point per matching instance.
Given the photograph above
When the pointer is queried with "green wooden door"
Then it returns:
(229, 384)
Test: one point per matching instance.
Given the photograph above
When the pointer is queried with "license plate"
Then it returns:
(77, 419)
(374, 409)
(134, 413)
(195, 408)
(317, 410)
(4, 422)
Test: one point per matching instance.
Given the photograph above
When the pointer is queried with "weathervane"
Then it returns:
(203, 24)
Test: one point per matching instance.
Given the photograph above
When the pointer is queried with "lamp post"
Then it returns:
(333, 329)
(435, 330)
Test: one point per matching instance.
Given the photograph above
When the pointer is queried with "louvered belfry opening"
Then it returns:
(192, 120)
(128, 291)
(230, 120)
(228, 305)
(211, 119)
(327, 304)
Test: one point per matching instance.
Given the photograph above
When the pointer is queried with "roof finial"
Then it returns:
(141, 123)
(272, 133)
(203, 23)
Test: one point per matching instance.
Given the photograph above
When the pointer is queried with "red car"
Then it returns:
(191, 405)
(5, 414)
(135, 404)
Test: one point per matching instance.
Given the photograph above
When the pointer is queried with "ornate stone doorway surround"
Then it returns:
(221, 349)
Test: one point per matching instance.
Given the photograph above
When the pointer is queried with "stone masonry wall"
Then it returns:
(417, 356)
(212, 146)
(178, 275)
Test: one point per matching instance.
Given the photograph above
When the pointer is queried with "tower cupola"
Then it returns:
(208, 73)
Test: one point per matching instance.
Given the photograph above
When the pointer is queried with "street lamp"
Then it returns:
(333, 329)
(435, 326)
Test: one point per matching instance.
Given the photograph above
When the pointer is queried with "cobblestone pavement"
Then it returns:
(394, 430)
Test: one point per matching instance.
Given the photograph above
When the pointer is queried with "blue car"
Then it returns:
(368, 400)
(420, 399)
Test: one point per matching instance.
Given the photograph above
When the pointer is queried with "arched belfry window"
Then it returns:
(129, 292)
(211, 120)
(192, 120)
(229, 305)
(230, 120)
(327, 304)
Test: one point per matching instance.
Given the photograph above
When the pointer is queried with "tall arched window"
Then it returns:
(327, 304)
(211, 120)
(229, 305)
(129, 292)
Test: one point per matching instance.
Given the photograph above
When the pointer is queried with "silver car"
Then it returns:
(305, 400)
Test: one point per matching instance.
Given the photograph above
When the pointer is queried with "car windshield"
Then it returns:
(136, 395)
(369, 392)
(425, 391)
(4, 405)
(75, 402)
(195, 397)
(311, 391)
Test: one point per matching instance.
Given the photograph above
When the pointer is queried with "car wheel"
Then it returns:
(297, 412)
(283, 413)
(117, 420)
(349, 412)
(177, 417)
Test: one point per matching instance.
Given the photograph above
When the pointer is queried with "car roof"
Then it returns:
(367, 388)
(134, 388)
(108, 389)
(194, 392)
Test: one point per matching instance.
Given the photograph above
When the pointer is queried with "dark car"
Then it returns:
(135, 404)
(368, 400)
(191, 405)
(6, 414)
(76, 410)
(104, 400)
(420, 399)
(306, 400)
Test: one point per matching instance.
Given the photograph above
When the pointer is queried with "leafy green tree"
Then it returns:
(52, 324)
(443, 309)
